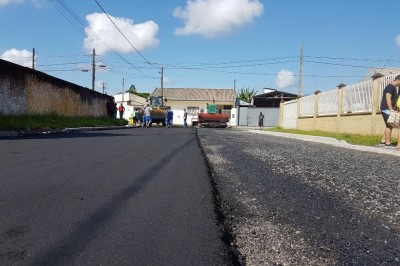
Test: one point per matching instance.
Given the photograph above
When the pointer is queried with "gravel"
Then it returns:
(290, 202)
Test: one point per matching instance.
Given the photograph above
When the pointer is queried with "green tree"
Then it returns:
(145, 95)
(132, 89)
(247, 95)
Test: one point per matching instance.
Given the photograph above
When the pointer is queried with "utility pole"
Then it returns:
(301, 72)
(234, 85)
(162, 86)
(123, 88)
(103, 86)
(93, 68)
(33, 58)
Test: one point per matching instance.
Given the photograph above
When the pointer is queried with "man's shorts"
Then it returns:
(148, 118)
(385, 118)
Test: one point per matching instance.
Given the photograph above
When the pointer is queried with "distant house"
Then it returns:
(130, 101)
(272, 98)
(195, 100)
(268, 103)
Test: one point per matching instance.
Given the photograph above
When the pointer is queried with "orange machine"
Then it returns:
(212, 118)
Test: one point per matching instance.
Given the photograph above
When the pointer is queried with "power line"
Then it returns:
(350, 59)
(123, 34)
(233, 66)
(80, 24)
(334, 64)
(62, 64)
(61, 56)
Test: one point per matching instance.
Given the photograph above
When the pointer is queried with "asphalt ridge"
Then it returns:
(330, 141)
(22, 133)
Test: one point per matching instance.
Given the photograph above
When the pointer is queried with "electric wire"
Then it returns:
(81, 26)
(123, 34)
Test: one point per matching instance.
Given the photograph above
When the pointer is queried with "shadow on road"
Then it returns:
(61, 252)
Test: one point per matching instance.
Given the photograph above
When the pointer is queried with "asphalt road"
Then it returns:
(119, 197)
(290, 202)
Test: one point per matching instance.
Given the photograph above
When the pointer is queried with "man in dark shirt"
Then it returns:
(261, 120)
(388, 103)
(184, 118)
(169, 117)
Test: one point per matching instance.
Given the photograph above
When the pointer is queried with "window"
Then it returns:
(193, 110)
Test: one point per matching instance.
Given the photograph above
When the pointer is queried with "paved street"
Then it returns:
(291, 202)
(143, 197)
(117, 197)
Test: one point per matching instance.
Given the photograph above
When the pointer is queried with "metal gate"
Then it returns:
(248, 116)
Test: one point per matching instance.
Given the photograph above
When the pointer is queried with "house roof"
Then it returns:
(186, 94)
(276, 94)
(272, 98)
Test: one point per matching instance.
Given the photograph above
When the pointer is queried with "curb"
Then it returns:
(79, 129)
(331, 142)
(16, 134)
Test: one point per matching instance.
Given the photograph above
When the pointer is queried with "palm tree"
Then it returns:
(247, 95)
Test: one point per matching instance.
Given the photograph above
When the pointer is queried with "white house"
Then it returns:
(130, 101)
(195, 100)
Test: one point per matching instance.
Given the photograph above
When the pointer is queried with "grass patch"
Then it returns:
(349, 138)
(37, 122)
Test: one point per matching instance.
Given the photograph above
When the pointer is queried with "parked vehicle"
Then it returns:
(158, 112)
(213, 118)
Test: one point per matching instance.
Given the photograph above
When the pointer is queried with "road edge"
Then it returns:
(226, 230)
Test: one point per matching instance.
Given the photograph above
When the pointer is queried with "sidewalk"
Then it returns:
(329, 141)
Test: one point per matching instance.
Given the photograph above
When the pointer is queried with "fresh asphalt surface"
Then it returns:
(143, 197)
(292, 202)
(117, 197)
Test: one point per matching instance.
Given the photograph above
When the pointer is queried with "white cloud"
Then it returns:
(23, 58)
(36, 3)
(213, 18)
(398, 40)
(166, 80)
(284, 79)
(6, 2)
(141, 36)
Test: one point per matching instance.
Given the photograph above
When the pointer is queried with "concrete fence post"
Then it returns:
(340, 107)
(376, 92)
(298, 111)
(317, 92)
(281, 113)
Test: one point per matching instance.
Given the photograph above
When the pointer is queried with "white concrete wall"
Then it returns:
(290, 114)
(130, 101)
(234, 118)
(133, 99)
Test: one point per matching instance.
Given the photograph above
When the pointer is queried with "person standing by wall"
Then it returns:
(115, 109)
(110, 108)
(121, 110)
(261, 120)
(147, 114)
(169, 117)
(184, 118)
(389, 98)
(136, 116)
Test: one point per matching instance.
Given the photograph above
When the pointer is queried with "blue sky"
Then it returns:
(203, 43)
